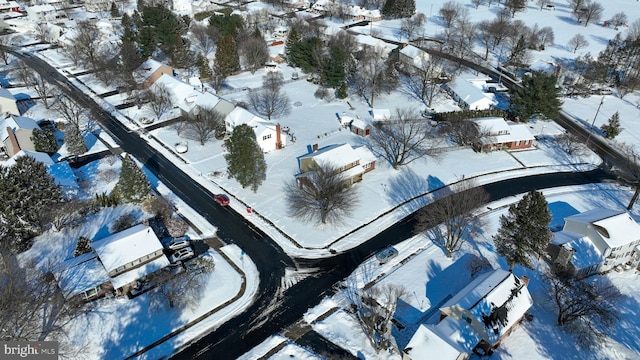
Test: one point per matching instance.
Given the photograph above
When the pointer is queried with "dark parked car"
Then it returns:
(386, 254)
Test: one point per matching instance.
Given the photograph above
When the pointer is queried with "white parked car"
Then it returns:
(177, 243)
(181, 254)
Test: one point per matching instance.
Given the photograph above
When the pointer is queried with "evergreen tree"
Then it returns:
(342, 90)
(128, 28)
(399, 8)
(203, 66)
(26, 191)
(227, 60)
(333, 71)
(290, 47)
(114, 10)
(133, 186)
(45, 140)
(537, 95)
(245, 160)
(83, 246)
(227, 25)
(612, 128)
(524, 231)
(74, 140)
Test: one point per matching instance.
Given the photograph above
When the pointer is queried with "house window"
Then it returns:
(517, 143)
(366, 166)
(266, 137)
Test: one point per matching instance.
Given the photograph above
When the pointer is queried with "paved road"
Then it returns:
(273, 310)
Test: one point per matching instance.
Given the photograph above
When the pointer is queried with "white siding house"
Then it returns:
(469, 96)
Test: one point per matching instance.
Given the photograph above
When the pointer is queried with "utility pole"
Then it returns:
(594, 120)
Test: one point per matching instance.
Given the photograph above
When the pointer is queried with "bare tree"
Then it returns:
(372, 74)
(374, 307)
(450, 12)
(32, 306)
(4, 53)
(462, 131)
(206, 125)
(204, 37)
(577, 42)
(545, 37)
(322, 195)
(576, 5)
(409, 27)
(270, 102)
(514, 6)
(571, 144)
(254, 51)
(633, 31)
(618, 19)
(34, 80)
(183, 289)
(585, 306)
(451, 218)
(477, 3)
(403, 139)
(86, 44)
(73, 113)
(159, 99)
(593, 12)
(423, 79)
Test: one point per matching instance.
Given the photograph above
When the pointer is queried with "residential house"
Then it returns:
(83, 277)
(498, 134)
(150, 71)
(413, 57)
(477, 318)
(353, 163)
(130, 255)
(381, 47)
(8, 103)
(61, 171)
(597, 241)
(268, 134)
(468, 96)
(433, 342)
(360, 127)
(9, 6)
(41, 13)
(16, 133)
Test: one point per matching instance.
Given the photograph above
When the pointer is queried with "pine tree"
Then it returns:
(74, 140)
(227, 60)
(342, 91)
(83, 246)
(290, 47)
(133, 186)
(245, 160)
(612, 128)
(45, 140)
(333, 71)
(524, 231)
(114, 10)
(203, 66)
(399, 8)
(537, 95)
(26, 191)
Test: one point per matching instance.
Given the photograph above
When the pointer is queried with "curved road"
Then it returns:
(273, 310)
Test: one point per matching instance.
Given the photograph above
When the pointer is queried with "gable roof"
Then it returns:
(468, 93)
(586, 253)
(126, 246)
(616, 227)
(494, 125)
(16, 122)
(7, 94)
(38, 156)
(427, 343)
(336, 155)
(148, 67)
(80, 274)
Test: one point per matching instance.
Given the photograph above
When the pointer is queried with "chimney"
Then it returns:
(278, 139)
(315, 147)
(15, 147)
(525, 280)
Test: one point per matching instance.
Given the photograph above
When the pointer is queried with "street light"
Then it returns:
(594, 120)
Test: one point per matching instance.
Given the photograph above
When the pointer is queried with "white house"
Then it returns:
(597, 240)
(15, 134)
(8, 102)
(434, 342)
(368, 41)
(485, 311)
(411, 56)
(353, 163)
(500, 134)
(469, 96)
(268, 134)
(41, 13)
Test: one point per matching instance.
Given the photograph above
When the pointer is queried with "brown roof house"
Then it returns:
(150, 71)
(353, 163)
(15, 134)
(475, 319)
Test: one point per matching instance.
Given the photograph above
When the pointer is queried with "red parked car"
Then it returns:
(221, 199)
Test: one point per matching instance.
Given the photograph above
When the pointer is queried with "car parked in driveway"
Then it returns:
(181, 254)
(221, 199)
(386, 254)
(177, 243)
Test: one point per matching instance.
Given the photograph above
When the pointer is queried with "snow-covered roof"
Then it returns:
(16, 122)
(41, 8)
(359, 123)
(126, 246)
(38, 156)
(586, 253)
(7, 94)
(497, 290)
(183, 95)
(80, 274)
(148, 67)
(494, 125)
(470, 94)
(139, 272)
(239, 116)
(426, 343)
(336, 155)
(380, 114)
(365, 155)
(412, 51)
(619, 226)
